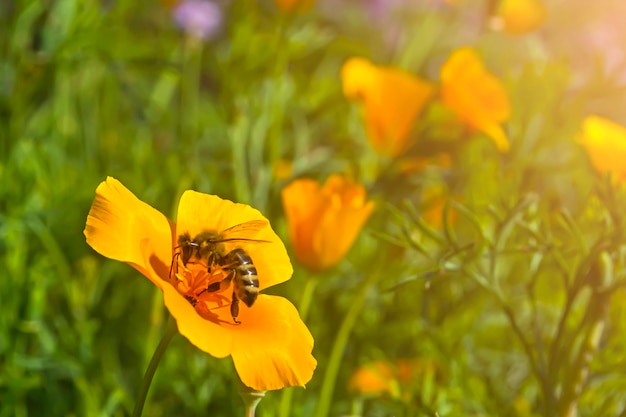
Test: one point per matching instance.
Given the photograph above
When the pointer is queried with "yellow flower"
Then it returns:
(519, 16)
(391, 100)
(271, 348)
(475, 95)
(605, 142)
(289, 6)
(324, 220)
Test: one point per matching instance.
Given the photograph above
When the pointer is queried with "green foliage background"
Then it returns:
(516, 301)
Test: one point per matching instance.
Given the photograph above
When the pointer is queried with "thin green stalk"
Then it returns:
(305, 304)
(307, 297)
(191, 72)
(277, 98)
(251, 398)
(170, 331)
(238, 136)
(334, 362)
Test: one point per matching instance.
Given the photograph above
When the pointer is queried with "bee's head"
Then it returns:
(184, 240)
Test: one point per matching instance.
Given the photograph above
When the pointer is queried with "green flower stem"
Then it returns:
(305, 304)
(170, 331)
(334, 362)
(238, 136)
(280, 68)
(307, 297)
(251, 398)
(191, 73)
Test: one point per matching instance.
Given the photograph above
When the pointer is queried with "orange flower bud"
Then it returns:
(396, 379)
(605, 142)
(324, 221)
(391, 99)
(475, 95)
(375, 378)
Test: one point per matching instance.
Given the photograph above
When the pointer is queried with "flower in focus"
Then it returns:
(324, 221)
(519, 16)
(271, 348)
(475, 95)
(391, 100)
(398, 380)
(201, 19)
(605, 143)
(289, 6)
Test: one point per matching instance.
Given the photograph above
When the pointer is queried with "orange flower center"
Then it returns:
(206, 289)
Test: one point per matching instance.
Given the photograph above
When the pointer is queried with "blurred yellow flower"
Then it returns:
(475, 95)
(519, 16)
(605, 142)
(324, 221)
(288, 6)
(396, 379)
(391, 100)
(271, 347)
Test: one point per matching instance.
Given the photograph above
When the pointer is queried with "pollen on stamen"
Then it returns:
(193, 279)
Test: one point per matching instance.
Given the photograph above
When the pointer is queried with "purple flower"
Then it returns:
(201, 19)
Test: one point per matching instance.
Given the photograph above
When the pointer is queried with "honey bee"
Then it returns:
(240, 270)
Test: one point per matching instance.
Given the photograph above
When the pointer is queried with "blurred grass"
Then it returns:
(96, 88)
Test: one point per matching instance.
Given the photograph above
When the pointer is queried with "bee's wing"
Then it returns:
(245, 231)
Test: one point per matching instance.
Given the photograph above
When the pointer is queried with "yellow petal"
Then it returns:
(124, 228)
(463, 63)
(337, 231)
(521, 16)
(475, 95)
(497, 135)
(324, 221)
(272, 347)
(199, 212)
(605, 142)
(216, 340)
(303, 205)
(391, 98)
(356, 75)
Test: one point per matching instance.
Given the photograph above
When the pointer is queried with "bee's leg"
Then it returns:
(219, 285)
(192, 300)
(212, 261)
(174, 262)
(211, 288)
(225, 283)
(234, 308)
(186, 256)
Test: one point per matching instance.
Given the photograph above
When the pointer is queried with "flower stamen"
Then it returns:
(202, 286)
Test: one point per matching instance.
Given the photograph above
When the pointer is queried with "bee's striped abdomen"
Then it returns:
(246, 279)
